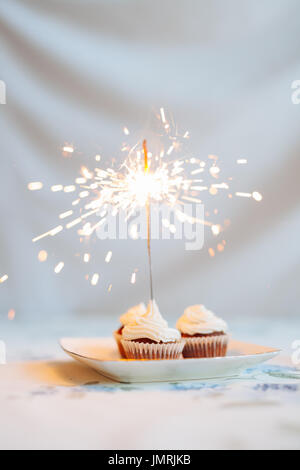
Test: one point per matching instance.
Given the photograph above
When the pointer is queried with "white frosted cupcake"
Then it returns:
(204, 333)
(126, 318)
(149, 337)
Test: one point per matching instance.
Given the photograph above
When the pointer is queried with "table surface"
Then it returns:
(48, 401)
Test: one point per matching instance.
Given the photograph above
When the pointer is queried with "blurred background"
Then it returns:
(76, 73)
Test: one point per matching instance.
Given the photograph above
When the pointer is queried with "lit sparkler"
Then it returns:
(144, 178)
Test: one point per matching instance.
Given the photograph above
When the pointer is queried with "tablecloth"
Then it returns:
(48, 401)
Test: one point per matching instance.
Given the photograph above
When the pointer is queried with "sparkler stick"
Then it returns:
(148, 209)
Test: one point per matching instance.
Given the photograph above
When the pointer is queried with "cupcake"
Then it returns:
(126, 318)
(204, 333)
(149, 337)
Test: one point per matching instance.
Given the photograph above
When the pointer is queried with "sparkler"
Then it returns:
(161, 178)
(148, 209)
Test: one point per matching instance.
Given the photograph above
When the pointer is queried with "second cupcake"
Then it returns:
(149, 337)
(204, 333)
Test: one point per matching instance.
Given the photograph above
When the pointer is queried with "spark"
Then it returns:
(126, 131)
(64, 215)
(59, 267)
(86, 257)
(69, 189)
(170, 150)
(3, 278)
(133, 278)
(11, 314)
(73, 223)
(86, 173)
(42, 256)
(35, 186)
(211, 252)
(110, 287)
(98, 158)
(196, 172)
(220, 186)
(95, 279)
(108, 257)
(163, 116)
(191, 199)
(213, 191)
(257, 196)
(56, 188)
(51, 233)
(68, 149)
(216, 229)
(56, 230)
(80, 180)
(239, 194)
(199, 188)
(84, 194)
(214, 171)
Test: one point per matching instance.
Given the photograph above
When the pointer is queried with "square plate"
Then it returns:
(102, 355)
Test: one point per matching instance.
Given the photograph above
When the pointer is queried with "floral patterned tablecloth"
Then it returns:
(48, 401)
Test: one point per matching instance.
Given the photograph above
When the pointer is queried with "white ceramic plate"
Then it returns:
(102, 355)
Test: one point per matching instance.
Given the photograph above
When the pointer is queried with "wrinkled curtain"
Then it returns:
(77, 72)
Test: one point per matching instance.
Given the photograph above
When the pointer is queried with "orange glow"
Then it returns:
(43, 256)
(11, 315)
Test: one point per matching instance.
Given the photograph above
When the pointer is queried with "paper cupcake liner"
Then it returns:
(154, 351)
(118, 339)
(211, 346)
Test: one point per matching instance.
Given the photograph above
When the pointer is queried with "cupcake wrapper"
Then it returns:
(118, 339)
(152, 351)
(212, 346)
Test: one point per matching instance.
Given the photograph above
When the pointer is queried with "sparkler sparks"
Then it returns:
(108, 257)
(95, 279)
(35, 186)
(86, 257)
(68, 149)
(3, 278)
(133, 278)
(257, 196)
(167, 176)
(59, 267)
(56, 188)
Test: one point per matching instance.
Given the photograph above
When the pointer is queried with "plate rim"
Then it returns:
(272, 352)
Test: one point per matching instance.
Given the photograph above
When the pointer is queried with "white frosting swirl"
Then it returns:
(152, 326)
(132, 313)
(198, 320)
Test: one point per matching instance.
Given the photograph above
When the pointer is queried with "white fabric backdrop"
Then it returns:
(78, 71)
